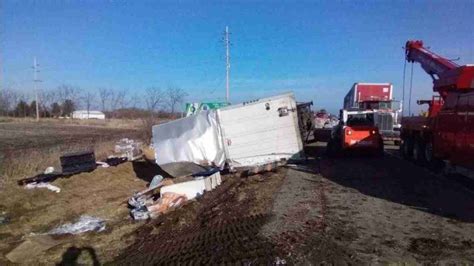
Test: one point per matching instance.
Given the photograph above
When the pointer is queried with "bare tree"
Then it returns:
(117, 100)
(8, 101)
(47, 97)
(175, 96)
(104, 95)
(67, 92)
(123, 98)
(14, 99)
(88, 99)
(3, 102)
(134, 101)
(153, 98)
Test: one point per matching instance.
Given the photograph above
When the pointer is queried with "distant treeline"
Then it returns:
(65, 99)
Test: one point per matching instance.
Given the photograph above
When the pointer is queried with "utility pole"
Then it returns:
(35, 79)
(227, 54)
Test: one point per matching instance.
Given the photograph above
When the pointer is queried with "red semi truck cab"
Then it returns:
(377, 97)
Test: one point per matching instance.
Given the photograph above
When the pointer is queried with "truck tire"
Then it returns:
(380, 149)
(419, 151)
(332, 148)
(406, 148)
(431, 161)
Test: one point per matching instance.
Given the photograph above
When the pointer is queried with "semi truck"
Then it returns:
(367, 92)
(377, 97)
(444, 138)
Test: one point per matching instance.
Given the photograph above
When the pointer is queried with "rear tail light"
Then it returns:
(348, 132)
(373, 132)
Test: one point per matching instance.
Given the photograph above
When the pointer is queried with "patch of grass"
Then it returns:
(25, 163)
(6, 120)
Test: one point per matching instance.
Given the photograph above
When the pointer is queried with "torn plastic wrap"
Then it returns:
(43, 185)
(84, 224)
(194, 139)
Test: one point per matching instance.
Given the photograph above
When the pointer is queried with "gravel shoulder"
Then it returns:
(372, 210)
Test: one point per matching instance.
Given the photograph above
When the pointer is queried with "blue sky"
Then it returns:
(317, 49)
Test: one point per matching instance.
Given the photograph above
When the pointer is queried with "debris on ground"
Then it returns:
(129, 149)
(71, 164)
(43, 185)
(41, 178)
(103, 164)
(196, 187)
(78, 162)
(4, 219)
(149, 153)
(49, 170)
(84, 224)
(155, 182)
(167, 201)
(112, 161)
(171, 194)
(140, 200)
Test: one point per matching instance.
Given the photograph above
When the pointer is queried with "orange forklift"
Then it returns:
(356, 132)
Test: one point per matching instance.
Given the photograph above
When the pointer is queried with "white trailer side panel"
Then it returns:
(261, 131)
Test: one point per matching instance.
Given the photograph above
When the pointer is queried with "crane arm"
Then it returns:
(446, 75)
(432, 63)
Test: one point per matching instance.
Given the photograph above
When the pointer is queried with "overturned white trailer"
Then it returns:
(247, 134)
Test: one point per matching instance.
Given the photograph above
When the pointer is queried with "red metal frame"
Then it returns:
(447, 75)
(448, 130)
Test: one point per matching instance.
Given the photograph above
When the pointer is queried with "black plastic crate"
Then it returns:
(77, 162)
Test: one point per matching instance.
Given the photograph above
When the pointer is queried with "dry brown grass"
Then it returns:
(102, 193)
(25, 163)
(108, 123)
(28, 147)
(99, 193)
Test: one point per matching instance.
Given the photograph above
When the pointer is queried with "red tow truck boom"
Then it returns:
(446, 134)
(446, 75)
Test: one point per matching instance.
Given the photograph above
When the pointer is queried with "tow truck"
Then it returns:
(444, 137)
(356, 132)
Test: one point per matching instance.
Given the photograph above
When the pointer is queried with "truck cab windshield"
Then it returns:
(360, 120)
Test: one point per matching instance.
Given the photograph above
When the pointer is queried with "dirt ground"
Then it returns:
(361, 210)
(357, 209)
(221, 227)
